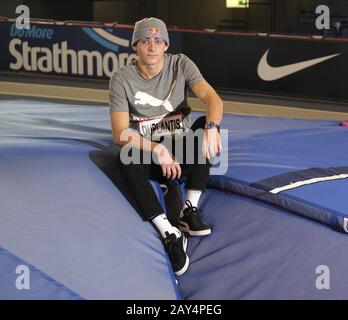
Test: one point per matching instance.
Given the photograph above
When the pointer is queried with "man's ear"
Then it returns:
(166, 48)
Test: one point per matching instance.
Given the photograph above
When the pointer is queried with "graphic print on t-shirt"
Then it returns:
(144, 98)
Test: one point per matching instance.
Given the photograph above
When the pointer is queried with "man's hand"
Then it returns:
(211, 143)
(169, 165)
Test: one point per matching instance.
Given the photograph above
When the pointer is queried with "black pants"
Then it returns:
(137, 176)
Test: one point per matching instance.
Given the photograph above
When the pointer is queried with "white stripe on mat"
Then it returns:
(309, 181)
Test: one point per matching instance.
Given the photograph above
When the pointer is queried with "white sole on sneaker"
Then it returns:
(184, 268)
(187, 262)
(185, 228)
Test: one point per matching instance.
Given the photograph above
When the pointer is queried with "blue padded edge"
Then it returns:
(287, 202)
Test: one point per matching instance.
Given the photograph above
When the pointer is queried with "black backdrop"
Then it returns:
(230, 62)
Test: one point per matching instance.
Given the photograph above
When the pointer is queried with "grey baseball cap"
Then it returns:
(150, 28)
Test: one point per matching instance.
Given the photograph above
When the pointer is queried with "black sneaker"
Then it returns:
(176, 249)
(191, 222)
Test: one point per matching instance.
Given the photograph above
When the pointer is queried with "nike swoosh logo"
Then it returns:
(269, 73)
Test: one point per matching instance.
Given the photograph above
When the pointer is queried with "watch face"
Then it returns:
(210, 125)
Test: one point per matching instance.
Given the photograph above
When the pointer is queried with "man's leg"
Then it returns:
(137, 179)
(197, 174)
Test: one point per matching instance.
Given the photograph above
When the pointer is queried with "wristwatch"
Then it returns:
(211, 124)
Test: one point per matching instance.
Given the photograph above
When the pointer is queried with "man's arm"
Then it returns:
(120, 126)
(212, 140)
(204, 91)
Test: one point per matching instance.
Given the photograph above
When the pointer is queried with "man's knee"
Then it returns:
(199, 123)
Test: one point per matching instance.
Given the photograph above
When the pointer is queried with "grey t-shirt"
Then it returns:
(157, 106)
